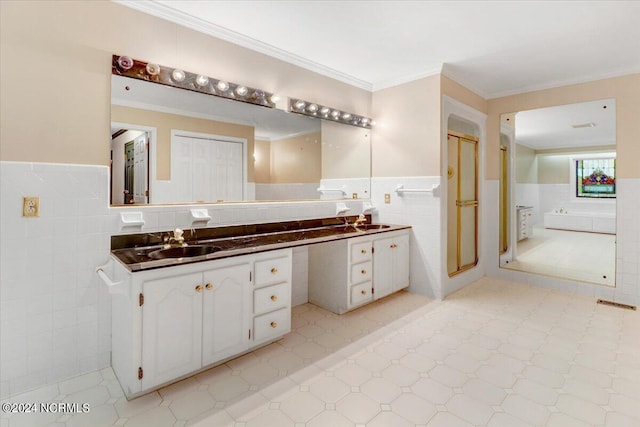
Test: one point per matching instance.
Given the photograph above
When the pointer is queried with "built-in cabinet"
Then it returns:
(176, 321)
(346, 274)
(525, 223)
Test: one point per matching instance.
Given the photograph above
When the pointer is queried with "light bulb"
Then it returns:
(299, 104)
(335, 114)
(242, 90)
(325, 111)
(364, 121)
(125, 63)
(222, 86)
(178, 75)
(153, 69)
(346, 116)
(202, 81)
(312, 108)
(275, 98)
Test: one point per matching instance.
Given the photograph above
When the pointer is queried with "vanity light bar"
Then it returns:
(312, 109)
(134, 68)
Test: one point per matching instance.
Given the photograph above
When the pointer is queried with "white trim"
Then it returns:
(169, 14)
(153, 146)
(225, 138)
(453, 107)
(385, 84)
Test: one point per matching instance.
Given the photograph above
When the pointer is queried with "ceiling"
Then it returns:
(553, 127)
(494, 48)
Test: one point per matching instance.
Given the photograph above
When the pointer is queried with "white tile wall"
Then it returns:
(627, 289)
(55, 315)
(360, 186)
(422, 212)
(529, 195)
(287, 191)
(300, 276)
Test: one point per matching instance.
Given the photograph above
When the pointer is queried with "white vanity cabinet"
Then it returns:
(176, 321)
(346, 274)
(390, 264)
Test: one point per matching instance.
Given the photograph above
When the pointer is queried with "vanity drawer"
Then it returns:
(271, 325)
(272, 271)
(361, 272)
(361, 293)
(271, 298)
(360, 252)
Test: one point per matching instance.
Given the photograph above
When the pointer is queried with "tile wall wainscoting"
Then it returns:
(56, 315)
(422, 212)
(627, 288)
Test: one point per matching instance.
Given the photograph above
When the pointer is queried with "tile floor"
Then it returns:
(585, 257)
(496, 353)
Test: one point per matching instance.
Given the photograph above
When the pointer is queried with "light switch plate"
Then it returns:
(387, 198)
(31, 206)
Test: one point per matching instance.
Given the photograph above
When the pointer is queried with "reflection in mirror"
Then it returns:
(192, 147)
(557, 191)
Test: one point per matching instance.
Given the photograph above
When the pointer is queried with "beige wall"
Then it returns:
(625, 90)
(554, 166)
(462, 94)
(55, 68)
(346, 151)
(406, 138)
(262, 162)
(526, 165)
(165, 123)
(296, 159)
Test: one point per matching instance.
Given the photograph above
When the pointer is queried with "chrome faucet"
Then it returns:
(175, 240)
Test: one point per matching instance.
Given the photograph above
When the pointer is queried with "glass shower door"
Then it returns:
(462, 173)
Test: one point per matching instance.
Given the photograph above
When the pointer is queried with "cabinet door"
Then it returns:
(400, 251)
(382, 267)
(171, 328)
(226, 313)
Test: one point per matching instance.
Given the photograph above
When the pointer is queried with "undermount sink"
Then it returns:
(183, 252)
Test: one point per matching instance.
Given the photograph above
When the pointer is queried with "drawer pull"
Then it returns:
(393, 246)
(363, 271)
(274, 298)
(274, 270)
(274, 324)
(363, 251)
(209, 286)
(363, 292)
(199, 288)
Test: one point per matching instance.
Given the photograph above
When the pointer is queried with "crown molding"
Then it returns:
(566, 82)
(178, 17)
(385, 84)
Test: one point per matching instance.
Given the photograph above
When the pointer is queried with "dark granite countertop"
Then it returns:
(133, 250)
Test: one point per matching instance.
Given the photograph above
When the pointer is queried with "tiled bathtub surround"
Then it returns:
(55, 315)
(495, 354)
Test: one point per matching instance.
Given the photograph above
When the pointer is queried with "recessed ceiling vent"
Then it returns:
(584, 125)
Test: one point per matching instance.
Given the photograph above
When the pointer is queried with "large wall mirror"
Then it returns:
(170, 145)
(558, 191)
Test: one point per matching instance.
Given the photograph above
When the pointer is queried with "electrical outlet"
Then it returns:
(31, 206)
(354, 195)
(387, 198)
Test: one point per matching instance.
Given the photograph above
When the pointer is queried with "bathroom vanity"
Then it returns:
(180, 310)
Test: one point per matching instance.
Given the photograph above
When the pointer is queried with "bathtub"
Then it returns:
(594, 222)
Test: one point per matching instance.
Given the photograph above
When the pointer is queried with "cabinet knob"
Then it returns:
(393, 246)
(363, 271)
(209, 286)
(363, 292)
(274, 270)
(199, 288)
(363, 251)
(274, 298)
(274, 324)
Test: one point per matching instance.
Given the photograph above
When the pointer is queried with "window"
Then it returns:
(596, 178)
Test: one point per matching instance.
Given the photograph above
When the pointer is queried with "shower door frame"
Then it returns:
(466, 203)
